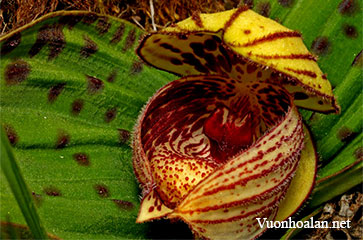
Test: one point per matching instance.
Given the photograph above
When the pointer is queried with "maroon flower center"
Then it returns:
(228, 133)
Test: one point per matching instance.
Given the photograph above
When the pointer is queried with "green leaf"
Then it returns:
(337, 184)
(17, 184)
(321, 123)
(343, 131)
(351, 154)
(71, 91)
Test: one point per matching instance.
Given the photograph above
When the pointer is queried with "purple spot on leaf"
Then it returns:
(348, 7)
(82, 159)
(52, 191)
(103, 25)
(89, 48)
(55, 91)
(358, 153)
(112, 76)
(350, 31)
(90, 18)
(16, 72)
(130, 40)
(345, 134)
(51, 35)
(118, 34)
(110, 115)
(102, 190)
(11, 43)
(62, 140)
(136, 67)
(286, 3)
(95, 85)
(124, 135)
(320, 46)
(123, 205)
(11, 134)
(77, 106)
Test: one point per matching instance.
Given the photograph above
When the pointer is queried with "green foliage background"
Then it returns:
(96, 195)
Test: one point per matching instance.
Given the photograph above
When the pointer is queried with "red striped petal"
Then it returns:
(215, 153)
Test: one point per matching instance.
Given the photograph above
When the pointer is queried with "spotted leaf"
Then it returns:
(71, 88)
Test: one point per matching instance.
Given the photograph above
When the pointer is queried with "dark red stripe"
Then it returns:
(197, 20)
(256, 176)
(243, 181)
(302, 72)
(261, 153)
(292, 56)
(238, 217)
(271, 37)
(262, 196)
(234, 16)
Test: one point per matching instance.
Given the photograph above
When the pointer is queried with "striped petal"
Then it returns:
(241, 44)
(217, 153)
(227, 203)
(303, 182)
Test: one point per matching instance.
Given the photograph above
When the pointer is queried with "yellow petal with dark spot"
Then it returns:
(241, 44)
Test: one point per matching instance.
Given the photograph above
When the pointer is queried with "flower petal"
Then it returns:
(302, 183)
(222, 43)
(227, 202)
(152, 208)
(195, 157)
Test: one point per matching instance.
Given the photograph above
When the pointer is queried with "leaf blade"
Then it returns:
(19, 188)
(71, 118)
